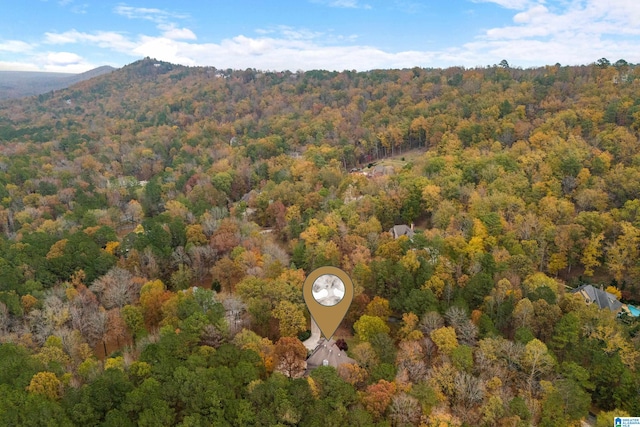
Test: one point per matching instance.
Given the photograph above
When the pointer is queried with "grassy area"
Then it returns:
(398, 161)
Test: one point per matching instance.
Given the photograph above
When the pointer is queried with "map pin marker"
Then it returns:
(328, 292)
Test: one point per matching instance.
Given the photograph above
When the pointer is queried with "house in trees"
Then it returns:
(327, 353)
(382, 170)
(323, 352)
(402, 230)
(601, 298)
(249, 199)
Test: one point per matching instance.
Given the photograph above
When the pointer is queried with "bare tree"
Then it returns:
(116, 288)
(87, 316)
(405, 410)
(180, 257)
(38, 326)
(467, 333)
(430, 349)
(133, 212)
(469, 392)
(466, 330)
(274, 253)
(202, 259)
(73, 344)
(512, 353)
(234, 309)
(455, 316)
(431, 321)
(411, 358)
(53, 309)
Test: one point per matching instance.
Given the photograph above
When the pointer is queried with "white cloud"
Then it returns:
(103, 39)
(539, 35)
(277, 54)
(63, 58)
(540, 32)
(63, 62)
(348, 4)
(571, 33)
(149, 14)
(80, 9)
(509, 4)
(170, 31)
(72, 36)
(288, 32)
(409, 6)
(164, 49)
(532, 15)
(278, 48)
(15, 46)
(343, 4)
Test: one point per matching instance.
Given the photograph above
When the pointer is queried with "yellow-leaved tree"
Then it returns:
(624, 251)
(445, 339)
(368, 326)
(46, 384)
(291, 318)
(378, 307)
(591, 253)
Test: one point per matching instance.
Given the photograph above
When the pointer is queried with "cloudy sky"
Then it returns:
(77, 35)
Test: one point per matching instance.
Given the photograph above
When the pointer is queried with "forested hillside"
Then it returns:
(157, 224)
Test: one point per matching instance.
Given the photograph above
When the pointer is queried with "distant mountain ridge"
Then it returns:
(19, 84)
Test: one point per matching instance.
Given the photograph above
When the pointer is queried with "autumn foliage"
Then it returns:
(157, 224)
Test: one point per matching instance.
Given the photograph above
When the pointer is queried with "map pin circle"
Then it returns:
(328, 292)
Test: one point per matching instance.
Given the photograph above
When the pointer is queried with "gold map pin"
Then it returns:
(328, 292)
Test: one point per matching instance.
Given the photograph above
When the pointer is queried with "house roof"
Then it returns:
(383, 170)
(401, 230)
(329, 351)
(248, 196)
(602, 298)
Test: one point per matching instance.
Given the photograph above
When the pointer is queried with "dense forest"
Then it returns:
(157, 224)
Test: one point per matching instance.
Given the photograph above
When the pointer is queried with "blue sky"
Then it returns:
(77, 35)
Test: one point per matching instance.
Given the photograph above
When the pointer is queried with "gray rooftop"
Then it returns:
(329, 351)
(401, 230)
(602, 298)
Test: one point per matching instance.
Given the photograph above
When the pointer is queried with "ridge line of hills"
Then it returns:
(19, 84)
